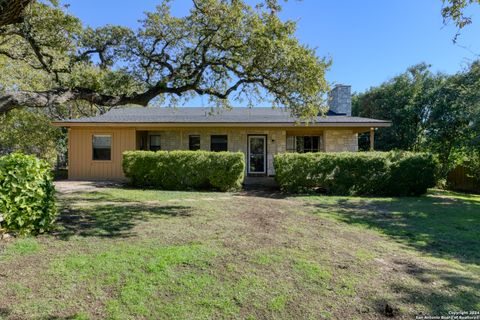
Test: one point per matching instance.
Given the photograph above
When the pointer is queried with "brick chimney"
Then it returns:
(340, 100)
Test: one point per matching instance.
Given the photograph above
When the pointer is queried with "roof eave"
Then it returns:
(373, 124)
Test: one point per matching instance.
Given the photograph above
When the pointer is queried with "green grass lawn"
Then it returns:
(133, 254)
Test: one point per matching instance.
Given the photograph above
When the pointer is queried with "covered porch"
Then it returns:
(259, 145)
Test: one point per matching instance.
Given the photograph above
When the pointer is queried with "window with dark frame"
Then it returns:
(155, 142)
(194, 142)
(219, 143)
(304, 144)
(102, 147)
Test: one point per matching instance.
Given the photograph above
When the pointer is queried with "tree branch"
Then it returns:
(11, 11)
(200, 54)
(54, 97)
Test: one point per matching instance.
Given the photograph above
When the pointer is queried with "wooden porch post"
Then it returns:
(372, 139)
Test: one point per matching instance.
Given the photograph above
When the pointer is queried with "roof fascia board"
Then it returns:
(222, 124)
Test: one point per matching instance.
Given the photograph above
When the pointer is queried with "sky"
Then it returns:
(369, 41)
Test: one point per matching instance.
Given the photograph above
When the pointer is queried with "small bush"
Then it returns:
(183, 170)
(373, 173)
(27, 202)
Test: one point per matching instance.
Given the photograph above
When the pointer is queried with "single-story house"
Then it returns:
(96, 144)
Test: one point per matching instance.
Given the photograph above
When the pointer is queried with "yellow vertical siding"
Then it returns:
(81, 165)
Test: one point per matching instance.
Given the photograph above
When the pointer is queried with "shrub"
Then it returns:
(411, 174)
(373, 173)
(27, 202)
(183, 170)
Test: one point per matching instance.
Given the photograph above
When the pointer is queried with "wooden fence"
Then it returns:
(460, 179)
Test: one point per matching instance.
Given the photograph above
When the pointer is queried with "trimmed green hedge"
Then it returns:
(184, 170)
(371, 173)
(27, 202)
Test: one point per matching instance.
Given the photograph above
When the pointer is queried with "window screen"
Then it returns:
(219, 143)
(194, 143)
(155, 143)
(102, 147)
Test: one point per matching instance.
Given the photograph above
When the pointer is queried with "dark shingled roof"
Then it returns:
(210, 115)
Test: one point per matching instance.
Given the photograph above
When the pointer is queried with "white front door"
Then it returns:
(257, 154)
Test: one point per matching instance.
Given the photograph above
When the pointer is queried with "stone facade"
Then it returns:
(335, 140)
(340, 99)
(237, 140)
(340, 140)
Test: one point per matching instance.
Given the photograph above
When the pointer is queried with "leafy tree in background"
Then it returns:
(222, 49)
(429, 112)
(30, 133)
(404, 101)
(454, 121)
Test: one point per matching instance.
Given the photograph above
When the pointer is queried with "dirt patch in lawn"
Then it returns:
(68, 186)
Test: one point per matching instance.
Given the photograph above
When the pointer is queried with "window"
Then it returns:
(291, 144)
(102, 147)
(194, 143)
(304, 144)
(308, 144)
(155, 143)
(219, 143)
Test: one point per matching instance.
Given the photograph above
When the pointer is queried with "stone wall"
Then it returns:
(237, 140)
(340, 140)
(335, 140)
(340, 99)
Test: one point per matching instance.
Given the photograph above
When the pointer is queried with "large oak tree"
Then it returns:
(222, 49)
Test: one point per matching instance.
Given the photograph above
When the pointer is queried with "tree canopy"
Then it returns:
(30, 133)
(429, 112)
(224, 49)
